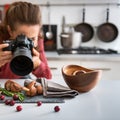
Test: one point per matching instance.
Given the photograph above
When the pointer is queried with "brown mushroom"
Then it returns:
(39, 89)
(8, 85)
(32, 90)
(11, 85)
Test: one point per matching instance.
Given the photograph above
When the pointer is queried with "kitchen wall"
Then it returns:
(95, 15)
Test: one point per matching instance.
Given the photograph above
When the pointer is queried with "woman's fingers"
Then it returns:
(5, 56)
(35, 52)
(5, 60)
(36, 59)
(3, 46)
(5, 53)
(2, 62)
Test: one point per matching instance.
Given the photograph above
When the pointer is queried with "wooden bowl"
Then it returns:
(80, 78)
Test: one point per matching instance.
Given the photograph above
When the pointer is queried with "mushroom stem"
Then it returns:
(25, 89)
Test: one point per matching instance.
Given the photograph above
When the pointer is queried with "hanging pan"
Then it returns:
(85, 28)
(107, 32)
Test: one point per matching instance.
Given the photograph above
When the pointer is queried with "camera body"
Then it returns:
(20, 41)
(21, 63)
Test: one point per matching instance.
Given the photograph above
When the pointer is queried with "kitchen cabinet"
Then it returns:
(109, 64)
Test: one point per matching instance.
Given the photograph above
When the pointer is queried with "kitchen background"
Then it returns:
(95, 15)
(72, 10)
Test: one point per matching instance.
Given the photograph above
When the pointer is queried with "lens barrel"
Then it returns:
(22, 63)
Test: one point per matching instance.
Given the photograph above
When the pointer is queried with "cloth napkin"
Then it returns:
(52, 89)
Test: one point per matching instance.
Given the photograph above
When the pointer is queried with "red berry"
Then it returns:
(39, 103)
(2, 97)
(15, 97)
(7, 102)
(56, 108)
(19, 108)
(12, 102)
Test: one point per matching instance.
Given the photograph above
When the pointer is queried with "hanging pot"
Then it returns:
(107, 32)
(71, 40)
(65, 40)
(65, 36)
(85, 28)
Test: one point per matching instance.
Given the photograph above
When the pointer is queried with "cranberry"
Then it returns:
(15, 97)
(39, 103)
(19, 108)
(56, 108)
(12, 102)
(2, 97)
(7, 102)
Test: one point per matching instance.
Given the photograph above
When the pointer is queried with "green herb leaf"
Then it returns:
(6, 92)
(10, 94)
(21, 96)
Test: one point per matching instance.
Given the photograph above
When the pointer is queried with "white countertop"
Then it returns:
(101, 103)
(101, 57)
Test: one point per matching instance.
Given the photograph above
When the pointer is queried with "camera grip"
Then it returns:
(9, 47)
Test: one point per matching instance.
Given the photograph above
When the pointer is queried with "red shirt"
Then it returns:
(42, 71)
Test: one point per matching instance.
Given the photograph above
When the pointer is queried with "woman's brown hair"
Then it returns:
(23, 13)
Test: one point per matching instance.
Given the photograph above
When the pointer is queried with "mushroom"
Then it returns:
(32, 89)
(37, 85)
(11, 85)
(39, 89)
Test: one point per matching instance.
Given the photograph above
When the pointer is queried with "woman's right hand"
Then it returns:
(5, 56)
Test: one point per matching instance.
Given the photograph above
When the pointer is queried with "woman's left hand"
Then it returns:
(36, 59)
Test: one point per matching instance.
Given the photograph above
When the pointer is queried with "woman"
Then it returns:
(23, 18)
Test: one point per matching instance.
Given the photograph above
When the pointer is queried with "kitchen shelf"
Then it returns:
(82, 4)
(76, 4)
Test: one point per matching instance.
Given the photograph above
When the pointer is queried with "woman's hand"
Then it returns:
(36, 59)
(5, 56)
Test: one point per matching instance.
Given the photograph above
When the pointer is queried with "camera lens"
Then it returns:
(22, 63)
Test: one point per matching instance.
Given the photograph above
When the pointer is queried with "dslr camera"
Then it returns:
(21, 63)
